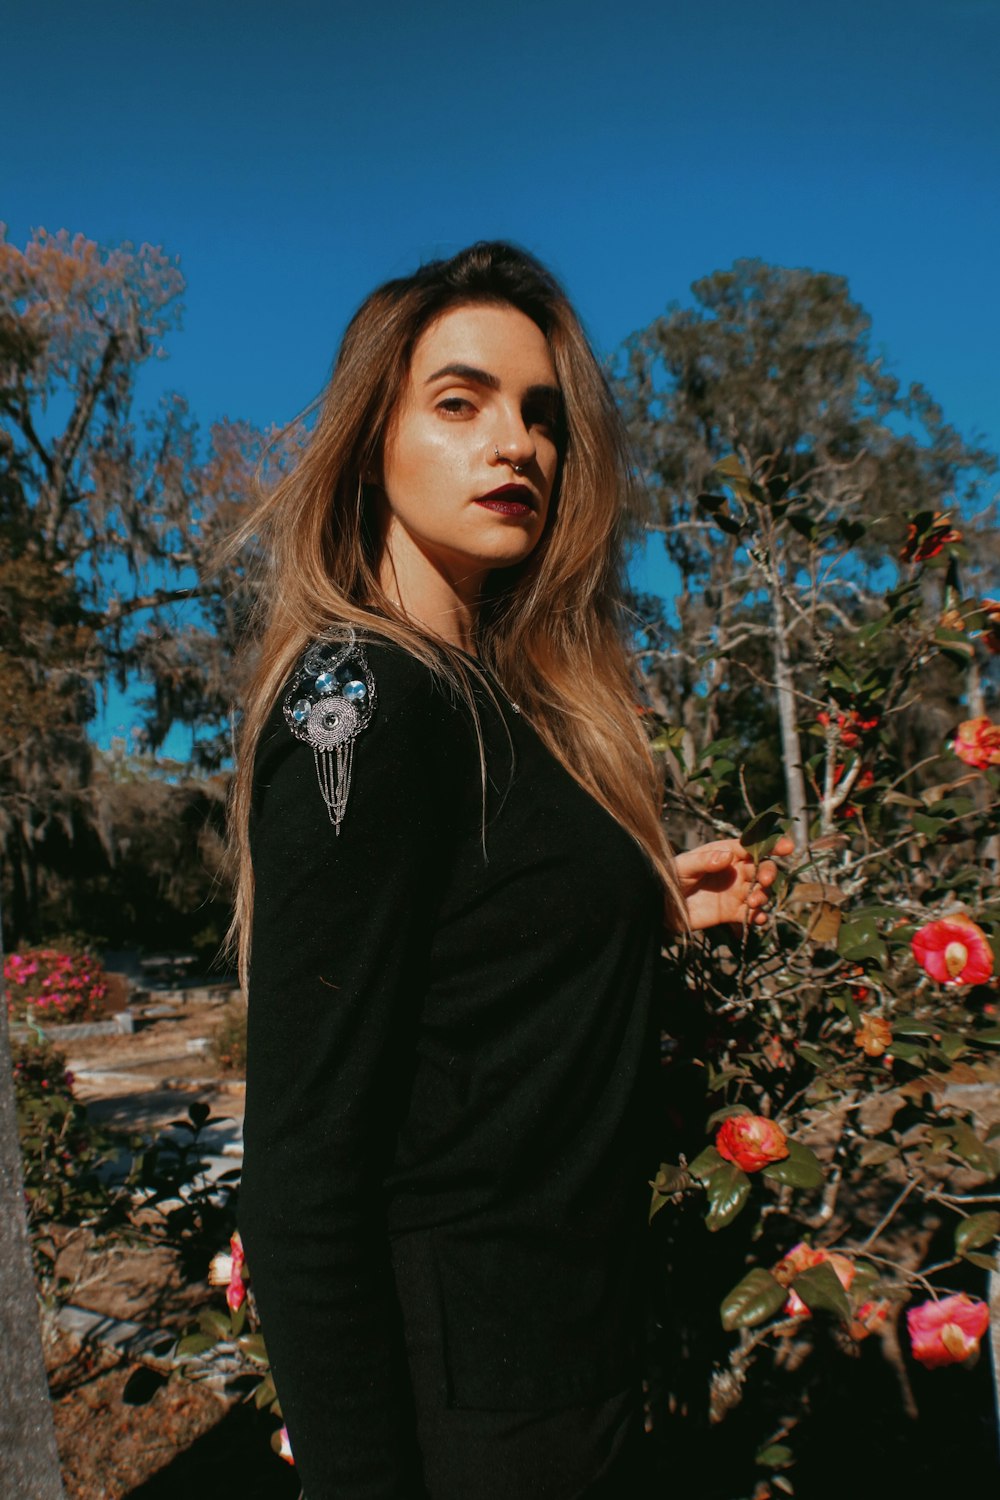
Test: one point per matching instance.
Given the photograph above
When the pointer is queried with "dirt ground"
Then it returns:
(127, 1428)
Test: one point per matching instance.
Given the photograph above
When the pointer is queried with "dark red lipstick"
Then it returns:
(510, 500)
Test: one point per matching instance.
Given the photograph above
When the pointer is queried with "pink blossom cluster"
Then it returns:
(66, 985)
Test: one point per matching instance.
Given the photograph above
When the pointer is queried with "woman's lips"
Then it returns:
(509, 500)
(507, 507)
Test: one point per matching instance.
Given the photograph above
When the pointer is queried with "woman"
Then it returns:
(453, 889)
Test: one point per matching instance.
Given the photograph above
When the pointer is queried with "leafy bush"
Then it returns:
(54, 984)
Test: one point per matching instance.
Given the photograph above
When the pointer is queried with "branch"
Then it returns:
(118, 608)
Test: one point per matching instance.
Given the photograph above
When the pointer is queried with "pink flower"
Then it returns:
(870, 1317)
(751, 1141)
(284, 1448)
(953, 951)
(947, 1332)
(977, 742)
(229, 1271)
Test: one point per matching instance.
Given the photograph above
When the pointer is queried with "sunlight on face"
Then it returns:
(472, 456)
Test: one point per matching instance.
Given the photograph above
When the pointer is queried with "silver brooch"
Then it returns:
(330, 701)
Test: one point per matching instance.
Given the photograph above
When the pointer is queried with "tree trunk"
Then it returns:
(791, 750)
(29, 1458)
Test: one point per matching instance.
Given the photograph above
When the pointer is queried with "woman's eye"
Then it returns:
(455, 406)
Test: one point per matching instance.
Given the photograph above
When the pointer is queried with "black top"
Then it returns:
(445, 1061)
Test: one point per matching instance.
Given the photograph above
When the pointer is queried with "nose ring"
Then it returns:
(518, 468)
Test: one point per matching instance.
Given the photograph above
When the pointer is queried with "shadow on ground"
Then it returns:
(234, 1458)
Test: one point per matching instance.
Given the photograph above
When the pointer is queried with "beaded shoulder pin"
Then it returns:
(330, 701)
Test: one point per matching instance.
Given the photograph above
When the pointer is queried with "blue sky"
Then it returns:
(292, 157)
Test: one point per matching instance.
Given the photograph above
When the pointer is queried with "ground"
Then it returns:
(125, 1428)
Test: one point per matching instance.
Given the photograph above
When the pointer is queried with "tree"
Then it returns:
(106, 517)
(771, 375)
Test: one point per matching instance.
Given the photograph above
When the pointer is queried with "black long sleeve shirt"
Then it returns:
(448, 1039)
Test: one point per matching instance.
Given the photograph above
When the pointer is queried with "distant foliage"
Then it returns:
(53, 985)
(229, 1039)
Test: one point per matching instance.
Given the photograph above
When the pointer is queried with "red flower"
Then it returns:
(977, 742)
(953, 951)
(851, 725)
(869, 1318)
(948, 1331)
(751, 1141)
(929, 541)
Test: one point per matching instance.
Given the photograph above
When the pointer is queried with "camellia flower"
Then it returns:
(953, 951)
(803, 1257)
(873, 1036)
(920, 547)
(870, 1317)
(285, 1447)
(229, 1271)
(977, 742)
(852, 725)
(948, 1331)
(751, 1141)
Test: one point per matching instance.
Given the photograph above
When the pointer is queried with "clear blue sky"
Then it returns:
(294, 156)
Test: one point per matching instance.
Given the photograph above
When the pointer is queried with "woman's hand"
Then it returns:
(720, 883)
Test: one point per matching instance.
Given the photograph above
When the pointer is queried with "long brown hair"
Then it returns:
(551, 629)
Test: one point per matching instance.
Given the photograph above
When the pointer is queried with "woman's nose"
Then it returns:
(514, 445)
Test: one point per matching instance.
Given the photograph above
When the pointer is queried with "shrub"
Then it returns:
(55, 984)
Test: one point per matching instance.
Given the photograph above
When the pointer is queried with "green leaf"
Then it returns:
(976, 1231)
(264, 1394)
(967, 1145)
(706, 1164)
(252, 1345)
(728, 1190)
(215, 1323)
(731, 468)
(984, 1262)
(192, 1344)
(774, 1456)
(198, 1114)
(868, 633)
(764, 826)
(989, 1038)
(906, 1051)
(821, 1291)
(725, 1113)
(669, 738)
(810, 1055)
(859, 938)
(753, 1300)
(913, 1028)
(877, 1153)
(801, 1168)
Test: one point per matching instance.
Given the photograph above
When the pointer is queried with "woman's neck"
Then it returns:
(445, 605)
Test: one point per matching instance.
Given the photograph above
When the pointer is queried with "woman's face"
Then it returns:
(471, 458)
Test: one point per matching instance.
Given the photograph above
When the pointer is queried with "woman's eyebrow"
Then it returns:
(466, 372)
(484, 377)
